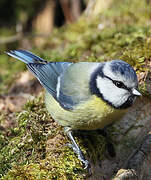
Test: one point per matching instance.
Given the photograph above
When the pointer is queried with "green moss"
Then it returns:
(27, 140)
(61, 166)
(35, 148)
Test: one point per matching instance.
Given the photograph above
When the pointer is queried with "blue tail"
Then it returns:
(26, 56)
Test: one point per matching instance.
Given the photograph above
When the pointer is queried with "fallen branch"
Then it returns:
(5, 40)
(20, 36)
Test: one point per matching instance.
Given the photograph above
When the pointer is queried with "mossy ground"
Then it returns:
(35, 147)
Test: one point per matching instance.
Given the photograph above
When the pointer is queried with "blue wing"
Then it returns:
(47, 73)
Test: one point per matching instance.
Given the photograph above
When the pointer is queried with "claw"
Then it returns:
(87, 164)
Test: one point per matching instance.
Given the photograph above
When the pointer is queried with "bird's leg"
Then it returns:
(76, 149)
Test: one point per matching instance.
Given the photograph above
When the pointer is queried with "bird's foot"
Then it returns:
(80, 156)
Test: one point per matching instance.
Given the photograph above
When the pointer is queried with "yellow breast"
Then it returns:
(89, 115)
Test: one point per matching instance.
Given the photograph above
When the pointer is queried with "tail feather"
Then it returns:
(25, 56)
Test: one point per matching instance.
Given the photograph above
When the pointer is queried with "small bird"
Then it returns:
(84, 95)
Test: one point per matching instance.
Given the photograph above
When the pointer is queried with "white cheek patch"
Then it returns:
(111, 93)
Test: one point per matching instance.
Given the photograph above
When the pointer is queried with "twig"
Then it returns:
(17, 37)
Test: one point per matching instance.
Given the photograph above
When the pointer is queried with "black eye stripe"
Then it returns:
(119, 84)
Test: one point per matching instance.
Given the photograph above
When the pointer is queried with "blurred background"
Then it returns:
(66, 30)
(27, 19)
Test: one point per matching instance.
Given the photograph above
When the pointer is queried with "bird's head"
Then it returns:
(116, 83)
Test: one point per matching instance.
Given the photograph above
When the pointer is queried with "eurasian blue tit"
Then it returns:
(84, 95)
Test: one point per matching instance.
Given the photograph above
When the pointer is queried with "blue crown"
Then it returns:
(119, 66)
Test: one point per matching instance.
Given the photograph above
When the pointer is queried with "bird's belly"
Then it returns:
(90, 115)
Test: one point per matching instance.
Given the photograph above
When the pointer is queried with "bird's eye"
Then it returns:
(119, 84)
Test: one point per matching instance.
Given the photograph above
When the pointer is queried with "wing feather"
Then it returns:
(67, 82)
